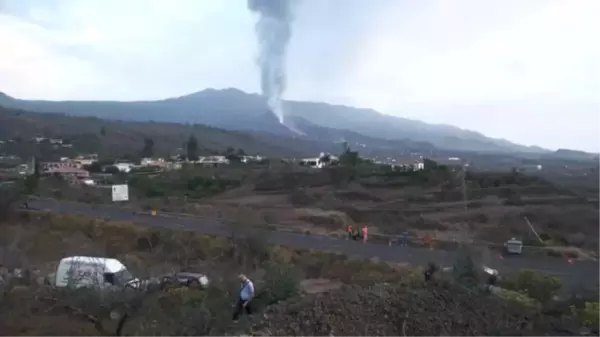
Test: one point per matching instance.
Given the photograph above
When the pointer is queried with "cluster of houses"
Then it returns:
(76, 167)
(321, 161)
(75, 170)
(55, 142)
(412, 163)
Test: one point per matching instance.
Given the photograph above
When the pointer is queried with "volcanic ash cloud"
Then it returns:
(273, 31)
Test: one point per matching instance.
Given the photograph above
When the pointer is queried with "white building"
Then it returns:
(124, 167)
(152, 162)
(418, 165)
(321, 161)
(212, 160)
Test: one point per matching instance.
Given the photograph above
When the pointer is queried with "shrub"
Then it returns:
(464, 270)
(281, 281)
(588, 315)
(8, 197)
(517, 298)
(535, 285)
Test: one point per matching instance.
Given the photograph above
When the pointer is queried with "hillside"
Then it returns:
(114, 138)
(233, 109)
(118, 138)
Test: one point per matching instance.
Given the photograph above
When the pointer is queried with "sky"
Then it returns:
(527, 71)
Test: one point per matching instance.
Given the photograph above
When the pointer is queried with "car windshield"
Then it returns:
(122, 277)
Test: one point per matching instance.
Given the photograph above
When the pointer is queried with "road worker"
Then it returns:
(427, 240)
(365, 233)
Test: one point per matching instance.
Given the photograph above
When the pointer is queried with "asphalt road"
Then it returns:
(579, 274)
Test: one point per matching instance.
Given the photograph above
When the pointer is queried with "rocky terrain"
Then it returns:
(438, 309)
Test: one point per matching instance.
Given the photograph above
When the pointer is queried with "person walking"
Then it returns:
(246, 295)
(349, 230)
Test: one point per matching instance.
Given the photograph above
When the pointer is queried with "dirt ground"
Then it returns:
(312, 202)
(338, 296)
(388, 213)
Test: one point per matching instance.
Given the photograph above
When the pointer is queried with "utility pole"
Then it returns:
(31, 169)
(533, 230)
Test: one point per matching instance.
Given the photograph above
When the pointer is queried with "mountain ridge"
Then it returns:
(233, 109)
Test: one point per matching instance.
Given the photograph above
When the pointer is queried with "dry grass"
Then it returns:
(314, 205)
(43, 238)
(36, 241)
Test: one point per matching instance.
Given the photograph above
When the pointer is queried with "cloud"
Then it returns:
(478, 52)
(151, 48)
(462, 62)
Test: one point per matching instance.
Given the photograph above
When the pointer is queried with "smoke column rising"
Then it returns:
(273, 31)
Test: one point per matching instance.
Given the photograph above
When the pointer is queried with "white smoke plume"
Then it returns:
(273, 31)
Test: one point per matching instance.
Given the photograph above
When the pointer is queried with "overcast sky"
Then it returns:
(524, 70)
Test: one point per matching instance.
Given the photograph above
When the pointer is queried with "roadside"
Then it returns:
(577, 274)
(433, 242)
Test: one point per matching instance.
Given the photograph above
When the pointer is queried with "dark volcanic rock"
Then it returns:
(440, 309)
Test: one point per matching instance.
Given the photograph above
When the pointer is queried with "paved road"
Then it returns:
(576, 275)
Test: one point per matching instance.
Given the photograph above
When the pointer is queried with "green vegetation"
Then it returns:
(192, 148)
(589, 314)
(537, 286)
(518, 299)
(190, 182)
(148, 150)
(39, 238)
(372, 288)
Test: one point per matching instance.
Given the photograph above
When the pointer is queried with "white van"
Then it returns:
(87, 271)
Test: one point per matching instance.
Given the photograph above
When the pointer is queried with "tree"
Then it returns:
(148, 150)
(95, 167)
(9, 194)
(32, 181)
(429, 164)
(464, 269)
(233, 158)
(111, 169)
(192, 148)
(349, 158)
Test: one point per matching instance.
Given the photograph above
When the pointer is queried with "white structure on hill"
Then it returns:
(323, 160)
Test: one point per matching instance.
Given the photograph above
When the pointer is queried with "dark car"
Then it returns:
(185, 279)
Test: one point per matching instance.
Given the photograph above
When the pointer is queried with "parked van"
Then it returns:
(514, 246)
(87, 271)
